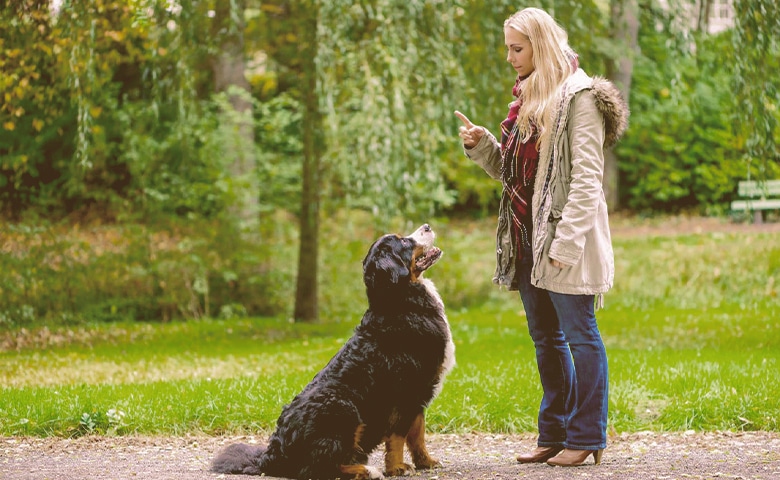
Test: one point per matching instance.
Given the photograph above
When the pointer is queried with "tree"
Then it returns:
(289, 30)
(378, 81)
(624, 18)
(306, 296)
(703, 18)
(228, 66)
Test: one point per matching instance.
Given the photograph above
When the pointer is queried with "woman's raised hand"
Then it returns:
(470, 133)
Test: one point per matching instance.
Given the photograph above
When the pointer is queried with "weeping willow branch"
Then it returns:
(389, 77)
(756, 82)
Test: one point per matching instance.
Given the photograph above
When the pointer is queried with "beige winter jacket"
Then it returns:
(570, 220)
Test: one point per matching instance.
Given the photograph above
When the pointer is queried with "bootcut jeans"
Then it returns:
(572, 364)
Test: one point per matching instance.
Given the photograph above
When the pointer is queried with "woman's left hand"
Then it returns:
(470, 134)
(555, 263)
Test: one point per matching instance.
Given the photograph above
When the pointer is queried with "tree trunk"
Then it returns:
(625, 29)
(306, 304)
(228, 67)
(703, 22)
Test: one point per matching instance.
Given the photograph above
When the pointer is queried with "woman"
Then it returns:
(553, 242)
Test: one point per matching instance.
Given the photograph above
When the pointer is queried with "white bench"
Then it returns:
(758, 196)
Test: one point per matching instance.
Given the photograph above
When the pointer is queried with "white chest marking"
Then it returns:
(449, 350)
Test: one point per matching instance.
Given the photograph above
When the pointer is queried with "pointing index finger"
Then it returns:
(464, 119)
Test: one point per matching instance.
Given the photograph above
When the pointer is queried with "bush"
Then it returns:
(64, 275)
(681, 151)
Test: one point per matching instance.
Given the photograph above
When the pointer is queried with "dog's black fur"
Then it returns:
(376, 388)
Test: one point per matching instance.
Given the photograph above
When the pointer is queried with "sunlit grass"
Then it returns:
(206, 350)
(691, 332)
(664, 376)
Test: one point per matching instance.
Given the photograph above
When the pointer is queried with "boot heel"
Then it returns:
(575, 458)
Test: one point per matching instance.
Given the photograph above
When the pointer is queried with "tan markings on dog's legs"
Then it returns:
(361, 472)
(394, 457)
(415, 440)
(359, 436)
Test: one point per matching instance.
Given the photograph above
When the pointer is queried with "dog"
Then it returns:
(378, 385)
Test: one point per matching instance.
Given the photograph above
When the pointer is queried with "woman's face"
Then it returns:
(519, 52)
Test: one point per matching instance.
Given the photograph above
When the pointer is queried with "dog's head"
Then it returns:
(394, 261)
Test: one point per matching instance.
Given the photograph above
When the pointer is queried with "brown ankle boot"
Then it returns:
(574, 458)
(539, 455)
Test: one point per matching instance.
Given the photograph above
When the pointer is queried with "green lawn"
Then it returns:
(691, 332)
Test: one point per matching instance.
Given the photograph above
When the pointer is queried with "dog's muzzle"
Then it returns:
(425, 237)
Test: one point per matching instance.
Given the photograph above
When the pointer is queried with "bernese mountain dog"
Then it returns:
(376, 388)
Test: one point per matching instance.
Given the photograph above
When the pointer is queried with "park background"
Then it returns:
(188, 189)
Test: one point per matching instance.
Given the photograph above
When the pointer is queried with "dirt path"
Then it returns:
(640, 456)
(623, 226)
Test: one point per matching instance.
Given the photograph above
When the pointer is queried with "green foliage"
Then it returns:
(757, 85)
(60, 275)
(106, 76)
(689, 158)
(177, 164)
(108, 106)
(203, 269)
(35, 116)
(134, 112)
(174, 164)
(389, 79)
(681, 151)
(277, 127)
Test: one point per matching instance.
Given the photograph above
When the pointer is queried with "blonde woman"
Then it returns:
(553, 242)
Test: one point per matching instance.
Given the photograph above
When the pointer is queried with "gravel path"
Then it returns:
(639, 456)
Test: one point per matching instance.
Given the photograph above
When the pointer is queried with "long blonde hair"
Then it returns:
(552, 59)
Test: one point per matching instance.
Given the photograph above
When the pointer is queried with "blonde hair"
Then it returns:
(552, 59)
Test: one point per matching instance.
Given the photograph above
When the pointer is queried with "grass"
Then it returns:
(690, 329)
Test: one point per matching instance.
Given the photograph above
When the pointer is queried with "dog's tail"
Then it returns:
(239, 458)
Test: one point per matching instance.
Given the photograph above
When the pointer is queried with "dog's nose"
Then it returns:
(426, 228)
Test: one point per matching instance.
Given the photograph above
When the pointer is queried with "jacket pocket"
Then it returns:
(552, 222)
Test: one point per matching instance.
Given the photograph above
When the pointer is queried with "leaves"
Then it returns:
(756, 82)
(389, 80)
(681, 151)
(107, 83)
(34, 98)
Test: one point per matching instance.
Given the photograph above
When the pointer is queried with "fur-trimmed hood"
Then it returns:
(613, 107)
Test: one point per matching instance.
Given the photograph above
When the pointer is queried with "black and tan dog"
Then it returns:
(376, 388)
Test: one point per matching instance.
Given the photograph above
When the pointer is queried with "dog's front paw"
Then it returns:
(374, 474)
(369, 473)
(362, 472)
(426, 463)
(400, 469)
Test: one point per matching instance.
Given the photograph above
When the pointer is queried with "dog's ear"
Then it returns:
(384, 266)
(387, 269)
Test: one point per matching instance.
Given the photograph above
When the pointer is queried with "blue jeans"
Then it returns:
(572, 364)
